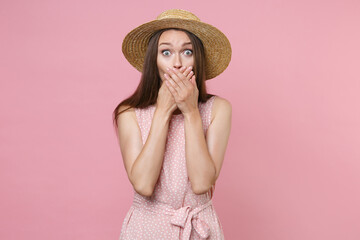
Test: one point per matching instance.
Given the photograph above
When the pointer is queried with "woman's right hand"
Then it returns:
(165, 100)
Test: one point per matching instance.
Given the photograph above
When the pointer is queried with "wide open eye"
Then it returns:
(166, 52)
(188, 52)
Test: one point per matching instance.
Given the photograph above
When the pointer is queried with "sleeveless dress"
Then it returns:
(173, 211)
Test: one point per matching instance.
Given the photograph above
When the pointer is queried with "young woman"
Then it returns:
(173, 134)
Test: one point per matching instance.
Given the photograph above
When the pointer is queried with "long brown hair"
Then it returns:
(147, 91)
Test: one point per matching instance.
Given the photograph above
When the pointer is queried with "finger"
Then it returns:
(183, 78)
(182, 69)
(177, 77)
(187, 71)
(171, 89)
(193, 81)
(188, 79)
(171, 81)
(176, 74)
(189, 76)
(184, 82)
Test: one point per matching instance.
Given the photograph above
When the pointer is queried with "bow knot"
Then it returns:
(184, 218)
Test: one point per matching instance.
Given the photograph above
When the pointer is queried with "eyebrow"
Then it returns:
(166, 43)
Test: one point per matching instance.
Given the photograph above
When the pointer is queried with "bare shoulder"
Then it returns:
(127, 112)
(221, 108)
(127, 121)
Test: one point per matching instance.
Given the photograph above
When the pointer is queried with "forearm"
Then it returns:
(200, 167)
(146, 168)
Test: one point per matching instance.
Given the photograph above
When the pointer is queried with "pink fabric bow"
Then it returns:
(184, 218)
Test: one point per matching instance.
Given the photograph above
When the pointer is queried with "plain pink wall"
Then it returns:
(292, 168)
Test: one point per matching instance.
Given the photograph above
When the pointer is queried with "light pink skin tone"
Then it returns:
(175, 60)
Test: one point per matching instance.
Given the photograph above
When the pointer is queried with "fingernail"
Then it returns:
(190, 67)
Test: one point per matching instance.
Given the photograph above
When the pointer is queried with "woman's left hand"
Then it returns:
(182, 85)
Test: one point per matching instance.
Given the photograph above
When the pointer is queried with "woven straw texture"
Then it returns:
(217, 46)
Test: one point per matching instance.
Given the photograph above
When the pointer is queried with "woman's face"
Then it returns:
(174, 50)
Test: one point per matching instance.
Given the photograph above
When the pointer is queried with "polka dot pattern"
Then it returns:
(174, 211)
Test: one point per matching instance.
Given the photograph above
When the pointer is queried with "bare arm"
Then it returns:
(204, 157)
(143, 162)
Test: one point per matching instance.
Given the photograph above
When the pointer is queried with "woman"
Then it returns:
(172, 134)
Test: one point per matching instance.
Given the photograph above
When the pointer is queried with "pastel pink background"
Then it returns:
(292, 168)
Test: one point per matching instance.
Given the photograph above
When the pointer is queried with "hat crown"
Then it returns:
(179, 14)
(216, 45)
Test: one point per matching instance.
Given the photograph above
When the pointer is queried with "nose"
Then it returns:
(177, 61)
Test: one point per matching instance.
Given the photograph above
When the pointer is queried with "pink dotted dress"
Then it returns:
(174, 211)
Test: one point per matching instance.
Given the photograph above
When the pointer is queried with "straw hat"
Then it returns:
(217, 46)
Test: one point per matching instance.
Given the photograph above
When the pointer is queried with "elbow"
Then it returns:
(145, 191)
(199, 189)
(203, 186)
(141, 188)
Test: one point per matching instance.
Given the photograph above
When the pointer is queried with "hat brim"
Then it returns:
(217, 46)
